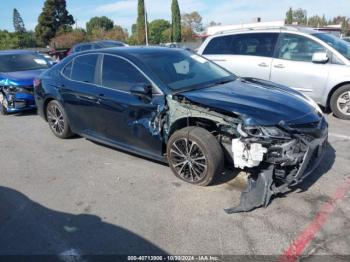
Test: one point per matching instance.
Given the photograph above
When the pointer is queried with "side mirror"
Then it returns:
(320, 57)
(142, 90)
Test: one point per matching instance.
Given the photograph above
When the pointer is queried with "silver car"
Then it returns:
(315, 63)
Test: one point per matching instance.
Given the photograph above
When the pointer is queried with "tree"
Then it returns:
(176, 22)
(156, 29)
(289, 16)
(300, 16)
(101, 23)
(133, 29)
(117, 33)
(194, 21)
(18, 23)
(8, 40)
(140, 24)
(53, 19)
(317, 21)
(213, 23)
(345, 27)
(20, 29)
(68, 39)
(187, 34)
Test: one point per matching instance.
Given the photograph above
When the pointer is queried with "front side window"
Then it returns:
(84, 69)
(338, 44)
(182, 70)
(298, 48)
(119, 74)
(22, 62)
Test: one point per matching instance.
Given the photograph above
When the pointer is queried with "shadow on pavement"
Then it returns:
(326, 165)
(27, 228)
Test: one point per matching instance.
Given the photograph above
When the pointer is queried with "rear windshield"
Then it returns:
(111, 44)
(22, 62)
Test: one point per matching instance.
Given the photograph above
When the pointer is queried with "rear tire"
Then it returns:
(195, 155)
(340, 102)
(57, 119)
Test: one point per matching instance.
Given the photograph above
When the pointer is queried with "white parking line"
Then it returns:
(339, 136)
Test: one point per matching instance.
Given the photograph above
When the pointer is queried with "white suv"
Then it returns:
(315, 63)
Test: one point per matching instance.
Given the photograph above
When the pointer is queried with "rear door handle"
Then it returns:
(263, 64)
(279, 66)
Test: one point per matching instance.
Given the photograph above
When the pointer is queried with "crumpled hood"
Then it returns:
(21, 78)
(259, 102)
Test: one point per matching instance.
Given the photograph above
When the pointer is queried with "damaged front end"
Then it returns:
(16, 98)
(277, 158)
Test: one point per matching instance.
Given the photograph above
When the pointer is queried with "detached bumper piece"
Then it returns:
(276, 179)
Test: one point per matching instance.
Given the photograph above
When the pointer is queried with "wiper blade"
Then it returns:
(223, 82)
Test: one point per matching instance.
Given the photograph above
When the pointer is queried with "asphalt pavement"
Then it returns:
(78, 197)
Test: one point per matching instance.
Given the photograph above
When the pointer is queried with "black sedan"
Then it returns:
(175, 106)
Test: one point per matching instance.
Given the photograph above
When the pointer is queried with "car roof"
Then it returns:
(17, 52)
(100, 41)
(272, 29)
(134, 51)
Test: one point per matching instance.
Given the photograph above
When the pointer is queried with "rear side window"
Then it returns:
(67, 71)
(258, 44)
(298, 48)
(119, 74)
(219, 46)
(84, 69)
(85, 48)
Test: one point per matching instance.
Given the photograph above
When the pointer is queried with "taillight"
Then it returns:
(36, 83)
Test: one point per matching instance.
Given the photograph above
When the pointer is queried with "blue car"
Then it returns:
(18, 69)
(175, 106)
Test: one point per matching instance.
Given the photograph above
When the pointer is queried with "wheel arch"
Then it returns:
(205, 123)
(46, 102)
(330, 94)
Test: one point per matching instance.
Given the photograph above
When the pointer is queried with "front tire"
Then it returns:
(57, 119)
(340, 102)
(3, 110)
(195, 155)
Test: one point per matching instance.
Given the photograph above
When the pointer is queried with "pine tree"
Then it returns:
(289, 16)
(54, 18)
(176, 22)
(140, 24)
(18, 23)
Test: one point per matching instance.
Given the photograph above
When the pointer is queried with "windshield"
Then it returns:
(182, 70)
(22, 62)
(338, 44)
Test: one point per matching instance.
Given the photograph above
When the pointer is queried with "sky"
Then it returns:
(123, 12)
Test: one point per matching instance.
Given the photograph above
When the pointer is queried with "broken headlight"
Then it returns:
(12, 89)
(265, 132)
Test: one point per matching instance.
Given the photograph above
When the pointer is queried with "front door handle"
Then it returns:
(263, 64)
(87, 98)
(279, 66)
